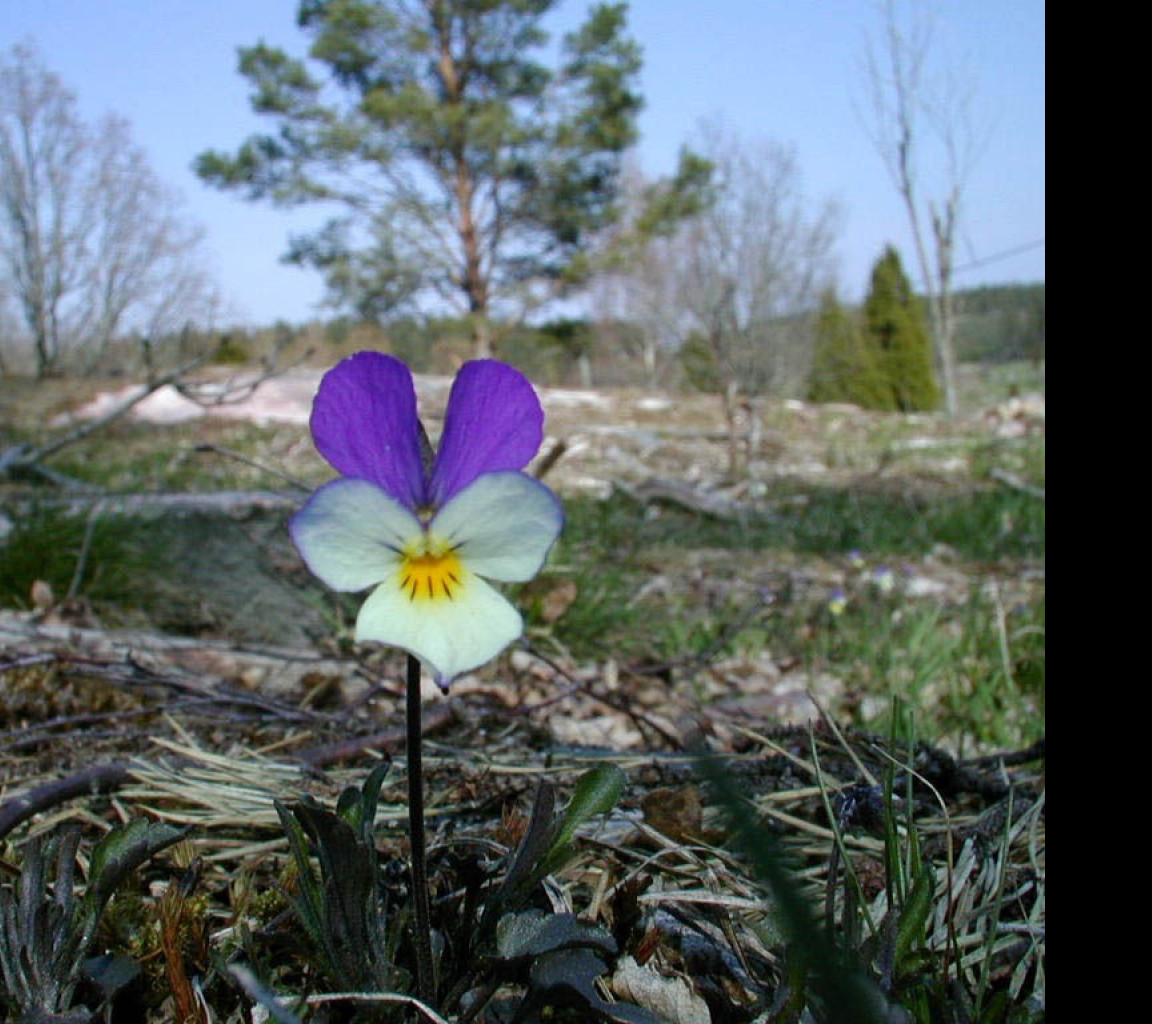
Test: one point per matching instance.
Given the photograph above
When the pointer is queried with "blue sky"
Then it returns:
(783, 70)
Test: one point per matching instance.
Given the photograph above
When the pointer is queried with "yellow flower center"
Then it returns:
(430, 572)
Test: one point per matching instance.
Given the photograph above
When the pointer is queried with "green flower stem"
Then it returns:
(425, 976)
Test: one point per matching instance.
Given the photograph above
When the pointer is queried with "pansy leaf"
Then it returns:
(357, 806)
(521, 876)
(339, 909)
(597, 791)
(534, 933)
(546, 843)
(111, 972)
(308, 896)
(123, 850)
(538, 836)
(348, 881)
(568, 978)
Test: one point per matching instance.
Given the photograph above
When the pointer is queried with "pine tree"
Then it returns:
(898, 334)
(473, 163)
(844, 367)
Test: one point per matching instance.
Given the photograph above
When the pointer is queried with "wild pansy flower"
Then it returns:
(884, 579)
(425, 530)
(838, 602)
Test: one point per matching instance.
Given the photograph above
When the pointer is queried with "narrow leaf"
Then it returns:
(597, 792)
(309, 897)
(914, 914)
(122, 851)
(538, 837)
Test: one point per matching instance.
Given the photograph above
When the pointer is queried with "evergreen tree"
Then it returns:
(844, 367)
(470, 170)
(898, 335)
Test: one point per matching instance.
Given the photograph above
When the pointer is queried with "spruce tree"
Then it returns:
(898, 334)
(844, 367)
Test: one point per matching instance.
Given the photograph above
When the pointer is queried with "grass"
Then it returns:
(985, 524)
(662, 585)
(968, 652)
(880, 910)
(106, 563)
(974, 670)
(960, 632)
(147, 457)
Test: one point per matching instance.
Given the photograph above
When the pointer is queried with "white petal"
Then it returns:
(452, 635)
(501, 525)
(351, 534)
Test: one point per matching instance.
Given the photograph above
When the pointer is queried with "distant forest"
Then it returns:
(1000, 323)
(996, 324)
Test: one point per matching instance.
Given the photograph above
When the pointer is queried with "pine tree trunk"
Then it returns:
(481, 337)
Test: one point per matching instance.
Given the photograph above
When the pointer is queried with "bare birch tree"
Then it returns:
(142, 267)
(755, 263)
(634, 297)
(911, 108)
(91, 241)
(41, 144)
(740, 275)
(735, 289)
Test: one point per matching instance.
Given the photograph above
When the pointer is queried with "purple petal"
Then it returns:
(364, 423)
(494, 422)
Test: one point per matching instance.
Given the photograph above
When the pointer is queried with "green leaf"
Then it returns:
(348, 875)
(573, 970)
(597, 791)
(914, 913)
(535, 932)
(547, 840)
(339, 906)
(46, 933)
(309, 897)
(122, 851)
(538, 837)
(111, 972)
(370, 798)
(358, 806)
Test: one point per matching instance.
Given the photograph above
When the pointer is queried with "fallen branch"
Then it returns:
(228, 453)
(385, 741)
(1016, 483)
(171, 661)
(103, 778)
(673, 492)
(218, 502)
(210, 395)
(27, 458)
(555, 453)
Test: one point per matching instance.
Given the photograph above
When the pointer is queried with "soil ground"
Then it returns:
(237, 683)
